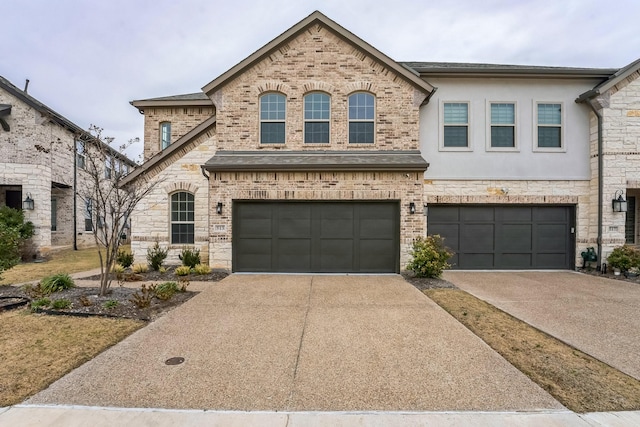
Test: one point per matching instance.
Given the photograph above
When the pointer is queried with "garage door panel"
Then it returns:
(294, 221)
(516, 238)
(377, 228)
(476, 261)
(477, 213)
(516, 214)
(506, 237)
(293, 254)
(515, 261)
(336, 255)
(255, 253)
(477, 238)
(374, 255)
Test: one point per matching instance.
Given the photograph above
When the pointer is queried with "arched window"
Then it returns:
(165, 134)
(361, 118)
(317, 108)
(272, 118)
(182, 218)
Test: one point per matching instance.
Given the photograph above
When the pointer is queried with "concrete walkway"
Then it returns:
(596, 315)
(303, 343)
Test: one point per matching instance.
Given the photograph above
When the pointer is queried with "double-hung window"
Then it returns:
(455, 125)
(108, 166)
(165, 134)
(182, 218)
(549, 126)
(80, 154)
(54, 214)
(361, 118)
(88, 215)
(317, 109)
(503, 125)
(272, 118)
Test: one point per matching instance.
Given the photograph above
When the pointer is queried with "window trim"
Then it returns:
(441, 126)
(536, 125)
(163, 127)
(372, 121)
(305, 120)
(172, 222)
(260, 120)
(489, 146)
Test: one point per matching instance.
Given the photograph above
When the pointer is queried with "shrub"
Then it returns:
(183, 270)
(118, 269)
(125, 259)
(40, 303)
(183, 282)
(202, 269)
(61, 304)
(190, 257)
(56, 283)
(110, 304)
(430, 256)
(156, 256)
(143, 299)
(166, 290)
(34, 292)
(14, 232)
(624, 257)
(140, 268)
(162, 270)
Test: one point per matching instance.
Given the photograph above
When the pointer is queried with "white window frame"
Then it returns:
(88, 215)
(563, 145)
(305, 120)
(373, 120)
(163, 127)
(441, 126)
(283, 121)
(489, 146)
(108, 167)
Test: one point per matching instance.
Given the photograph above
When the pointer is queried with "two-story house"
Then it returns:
(319, 153)
(43, 170)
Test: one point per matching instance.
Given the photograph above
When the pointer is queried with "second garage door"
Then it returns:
(506, 237)
(324, 237)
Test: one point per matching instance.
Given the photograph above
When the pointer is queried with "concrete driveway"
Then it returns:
(596, 315)
(299, 343)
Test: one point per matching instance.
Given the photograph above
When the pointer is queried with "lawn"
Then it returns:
(36, 350)
(575, 379)
(66, 261)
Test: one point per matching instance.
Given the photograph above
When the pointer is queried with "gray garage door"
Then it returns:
(325, 237)
(506, 237)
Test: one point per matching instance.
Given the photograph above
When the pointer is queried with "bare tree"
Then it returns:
(111, 203)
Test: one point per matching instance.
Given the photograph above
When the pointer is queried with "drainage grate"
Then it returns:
(174, 361)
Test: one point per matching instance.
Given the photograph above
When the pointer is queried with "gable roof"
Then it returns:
(613, 80)
(56, 118)
(317, 17)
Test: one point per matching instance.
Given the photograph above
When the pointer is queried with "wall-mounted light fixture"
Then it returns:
(619, 204)
(27, 204)
(412, 208)
(219, 208)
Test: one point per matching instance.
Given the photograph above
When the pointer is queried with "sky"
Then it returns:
(87, 59)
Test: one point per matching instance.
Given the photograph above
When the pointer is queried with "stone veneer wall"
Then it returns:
(318, 60)
(182, 119)
(576, 193)
(227, 187)
(620, 109)
(151, 218)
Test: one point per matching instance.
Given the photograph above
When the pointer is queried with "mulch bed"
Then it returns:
(86, 301)
(423, 283)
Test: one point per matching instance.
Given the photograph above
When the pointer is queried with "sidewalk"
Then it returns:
(69, 416)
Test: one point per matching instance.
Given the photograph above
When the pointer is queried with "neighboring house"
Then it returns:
(311, 156)
(42, 169)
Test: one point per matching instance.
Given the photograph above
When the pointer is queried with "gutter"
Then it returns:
(75, 195)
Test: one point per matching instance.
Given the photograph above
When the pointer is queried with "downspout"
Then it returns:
(600, 185)
(75, 196)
